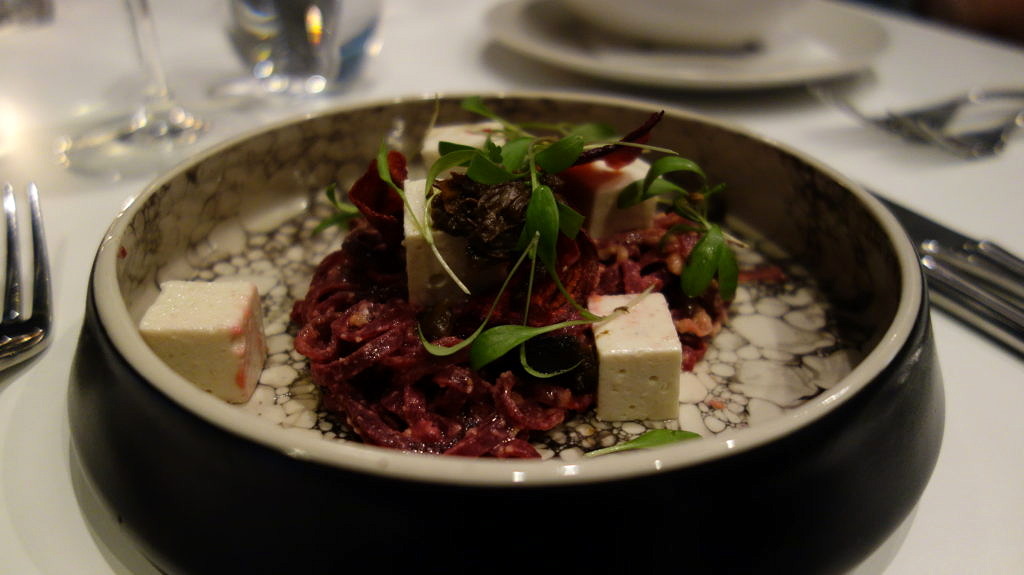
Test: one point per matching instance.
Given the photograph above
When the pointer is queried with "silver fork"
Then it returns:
(933, 123)
(24, 333)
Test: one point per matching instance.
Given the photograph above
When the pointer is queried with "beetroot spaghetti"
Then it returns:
(364, 338)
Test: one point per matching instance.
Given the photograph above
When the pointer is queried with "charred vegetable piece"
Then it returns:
(564, 354)
(436, 321)
(618, 155)
(490, 217)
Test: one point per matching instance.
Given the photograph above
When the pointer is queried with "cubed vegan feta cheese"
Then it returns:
(211, 333)
(594, 189)
(428, 281)
(473, 134)
(639, 358)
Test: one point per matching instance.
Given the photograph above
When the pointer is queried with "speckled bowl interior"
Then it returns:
(212, 213)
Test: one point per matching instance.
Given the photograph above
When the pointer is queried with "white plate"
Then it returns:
(823, 40)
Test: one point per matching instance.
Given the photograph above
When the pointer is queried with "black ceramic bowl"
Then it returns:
(805, 468)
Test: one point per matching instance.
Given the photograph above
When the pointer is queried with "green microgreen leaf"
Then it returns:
(639, 191)
(631, 195)
(514, 154)
(728, 273)
(713, 190)
(670, 164)
(542, 222)
(703, 262)
(542, 374)
(592, 132)
(445, 147)
(712, 254)
(495, 342)
(684, 207)
(654, 184)
(651, 438)
(338, 219)
(560, 155)
(383, 169)
(475, 104)
(486, 171)
(332, 195)
(662, 187)
(442, 350)
(345, 211)
(569, 220)
(493, 151)
(451, 159)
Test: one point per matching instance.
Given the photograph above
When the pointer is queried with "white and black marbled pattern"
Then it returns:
(778, 349)
(246, 211)
(158, 448)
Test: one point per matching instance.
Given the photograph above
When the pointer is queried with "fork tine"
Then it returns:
(41, 292)
(24, 334)
(12, 287)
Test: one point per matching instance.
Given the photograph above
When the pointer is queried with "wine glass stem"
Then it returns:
(159, 111)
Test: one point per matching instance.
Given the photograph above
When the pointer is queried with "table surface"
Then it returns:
(58, 77)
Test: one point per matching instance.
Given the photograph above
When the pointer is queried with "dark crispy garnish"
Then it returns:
(567, 355)
(381, 205)
(617, 155)
(490, 217)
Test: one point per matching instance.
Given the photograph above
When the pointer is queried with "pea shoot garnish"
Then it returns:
(651, 438)
(712, 255)
(344, 211)
(527, 155)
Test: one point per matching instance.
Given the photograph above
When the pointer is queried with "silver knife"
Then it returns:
(974, 280)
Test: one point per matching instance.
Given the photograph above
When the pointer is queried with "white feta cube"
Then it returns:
(594, 189)
(639, 358)
(474, 134)
(428, 281)
(211, 333)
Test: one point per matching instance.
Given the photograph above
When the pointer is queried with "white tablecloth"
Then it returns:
(82, 65)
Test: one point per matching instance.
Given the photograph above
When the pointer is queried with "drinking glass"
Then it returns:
(146, 139)
(25, 12)
(299, 47)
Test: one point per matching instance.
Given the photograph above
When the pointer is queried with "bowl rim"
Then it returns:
(115, 320)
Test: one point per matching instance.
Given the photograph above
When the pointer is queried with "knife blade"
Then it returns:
(976, 281)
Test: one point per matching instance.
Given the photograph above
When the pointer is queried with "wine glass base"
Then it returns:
(284, 86)
(131, 146)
